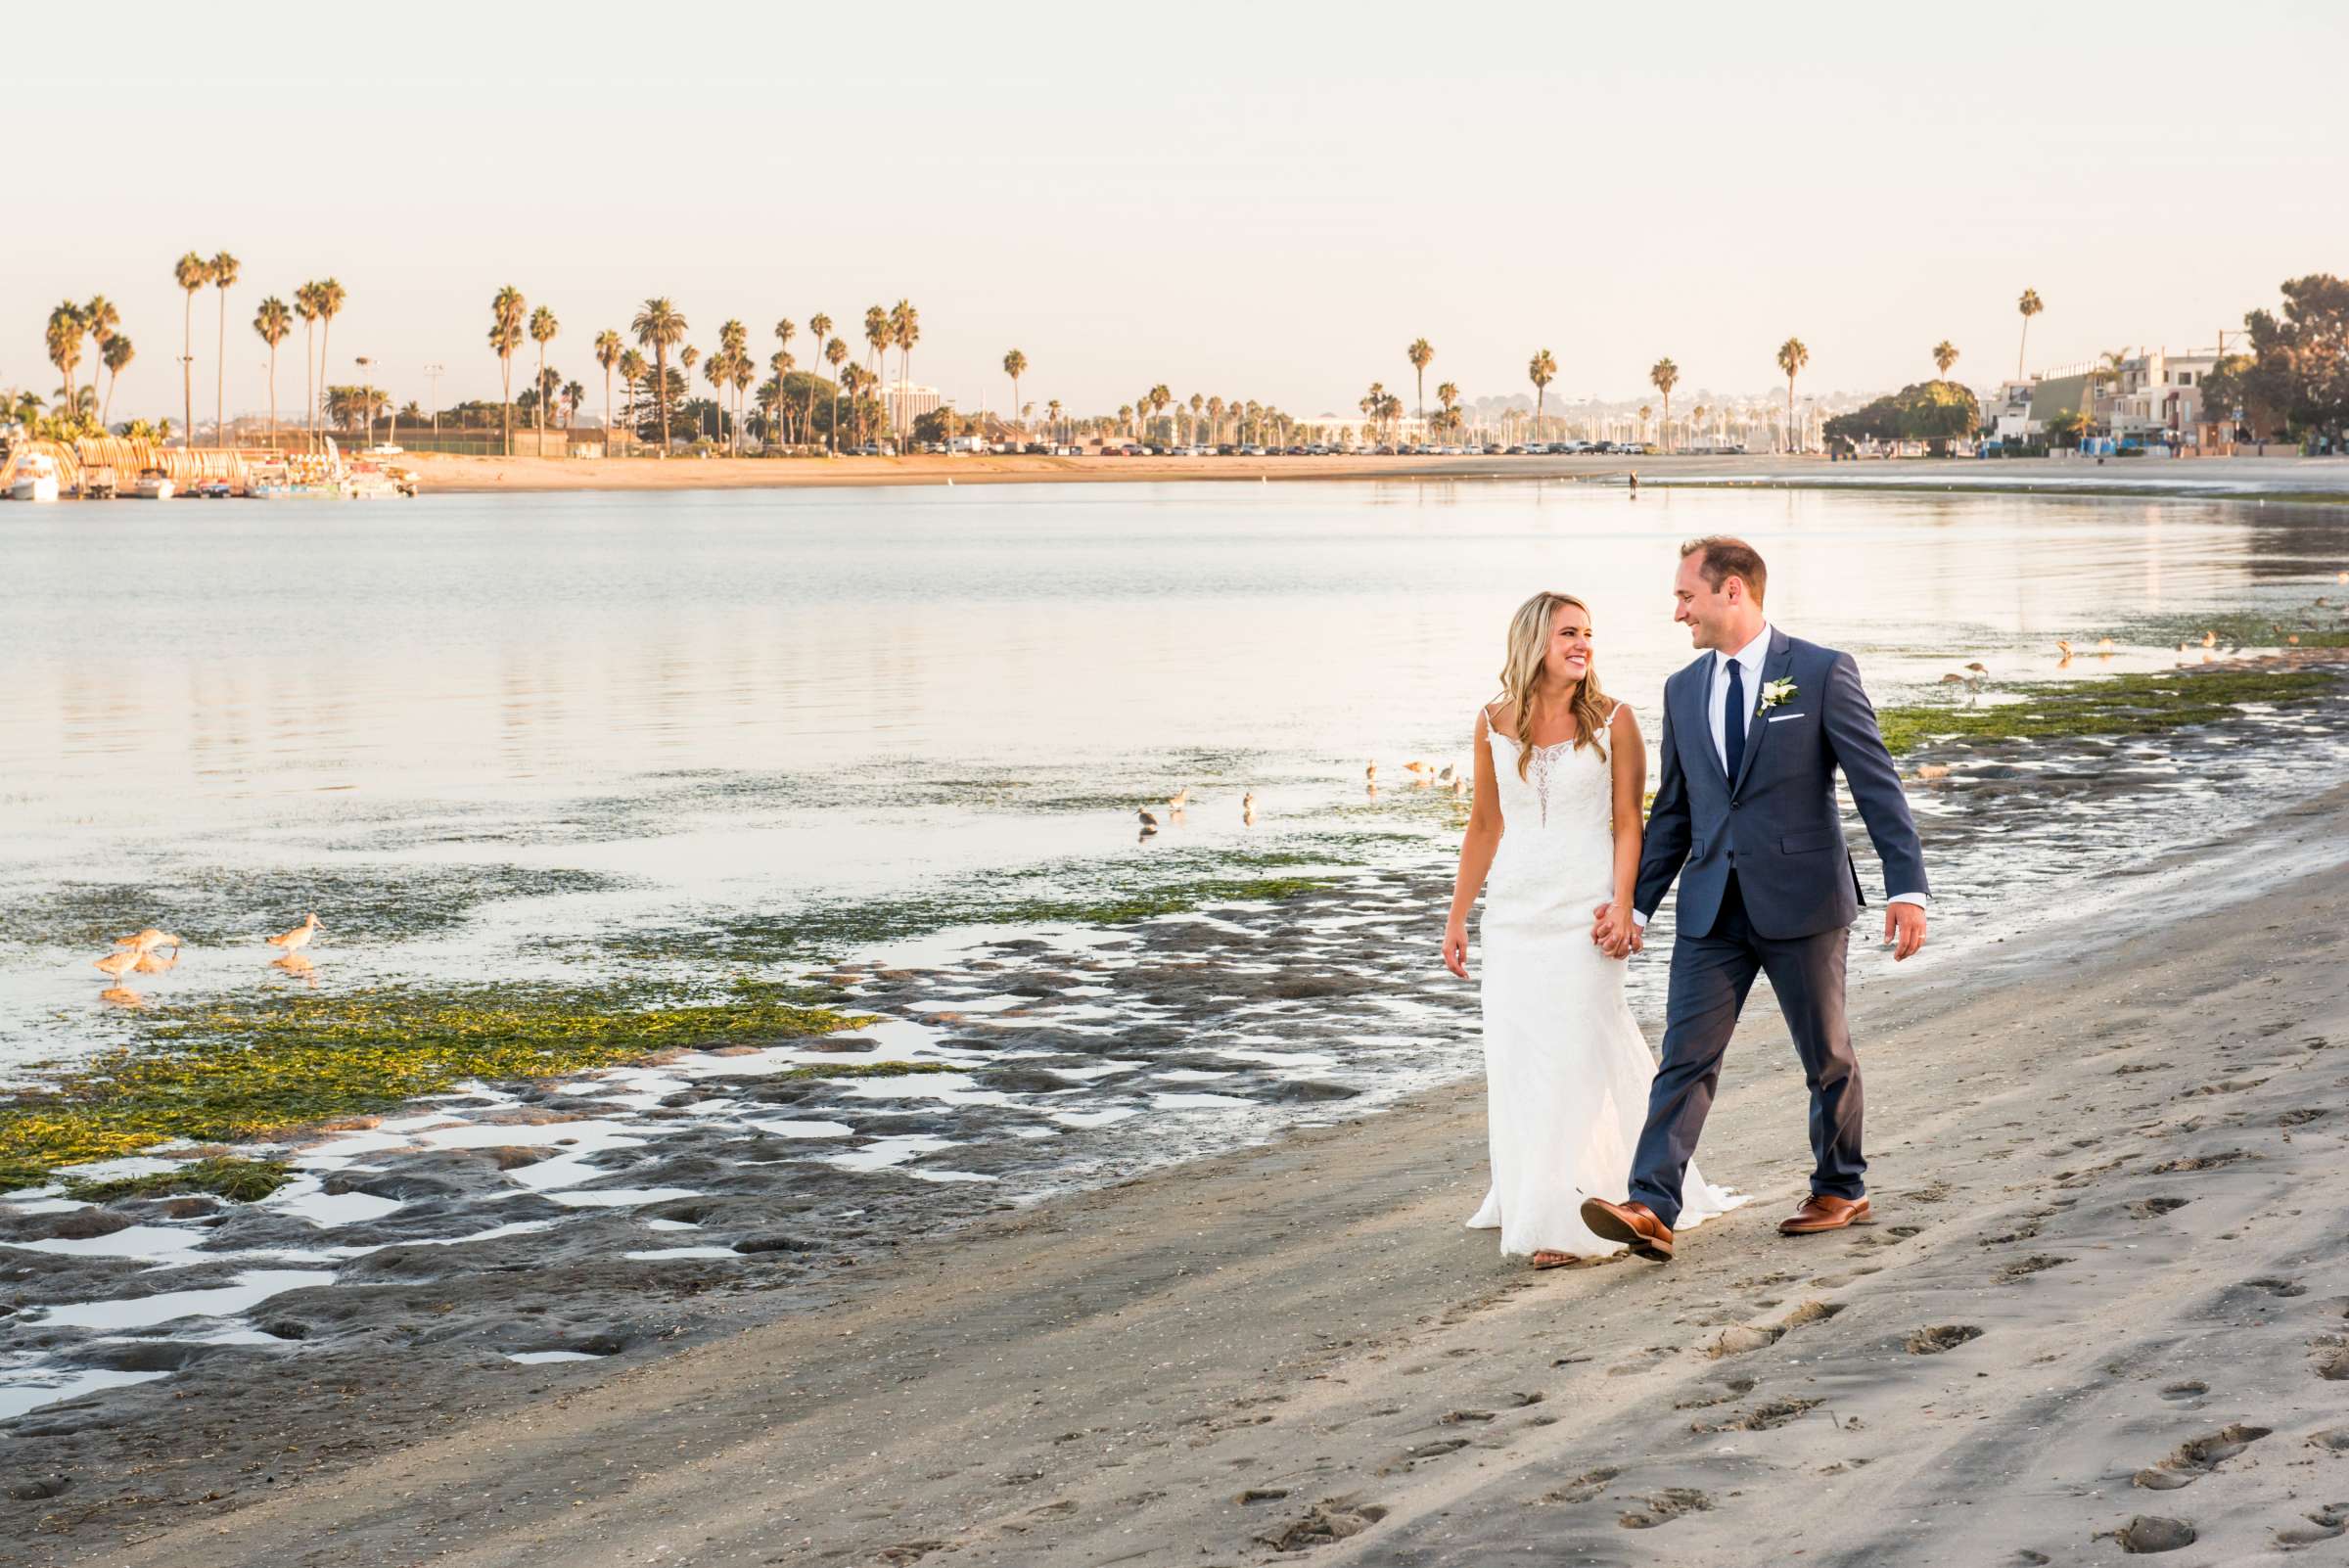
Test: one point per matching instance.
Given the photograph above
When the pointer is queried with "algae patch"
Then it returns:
(239, 1180)
(247, 1070)
(2116, 705)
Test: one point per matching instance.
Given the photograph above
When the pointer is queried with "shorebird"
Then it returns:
(1979, 668)
(1149, 822)
(1179, 799)
(2210, 639)
(1952, 679)
(2063, 647)
(299, 938)
(147, 941)
(1370, 773)
(1248, 809)
(2103, 645)
(1933, 770)
(1459, 784)
(155, 963)
(115, 965)
(1448, 775)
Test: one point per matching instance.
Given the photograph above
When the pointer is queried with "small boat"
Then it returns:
(154, 486)
(367, 482)
(212, 489)
(35, 479)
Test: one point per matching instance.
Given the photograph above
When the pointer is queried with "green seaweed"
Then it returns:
(239, 1071)
(1169, 882)
(2315, 627)
(2117, 704)
(238, 1181)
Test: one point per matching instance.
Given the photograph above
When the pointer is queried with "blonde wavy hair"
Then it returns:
(1521, 674)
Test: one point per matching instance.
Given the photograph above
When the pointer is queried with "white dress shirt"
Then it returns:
(1716, 701)
(1749, 660)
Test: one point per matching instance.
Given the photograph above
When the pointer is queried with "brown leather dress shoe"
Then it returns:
(1633, 1223)
(1824, 1210)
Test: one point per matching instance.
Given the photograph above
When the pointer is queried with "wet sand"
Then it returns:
(2104, 1294)
(2304, 479)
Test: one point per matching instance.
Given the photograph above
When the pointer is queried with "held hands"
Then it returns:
(1616, 938)
(1455, 946)
(1905, 929)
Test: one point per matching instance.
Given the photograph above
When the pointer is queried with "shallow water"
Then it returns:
(695, 735)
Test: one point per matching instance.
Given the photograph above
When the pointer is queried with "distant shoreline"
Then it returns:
(2309, 480)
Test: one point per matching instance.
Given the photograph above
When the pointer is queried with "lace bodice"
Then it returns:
(1558, 842)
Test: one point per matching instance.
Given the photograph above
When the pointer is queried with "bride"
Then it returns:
(1560, 776)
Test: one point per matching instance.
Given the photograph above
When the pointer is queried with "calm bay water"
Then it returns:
(751, 701)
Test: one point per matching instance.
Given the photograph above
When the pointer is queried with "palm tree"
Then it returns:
(543, 327)
(64, 337)
(223, 271)
(733, 344)
(100, 318)
(506, 310)
(1792, 357)
(193, 273)
(1945, 354)
(742, 376)
(1664, 375)
(1419, 353)
(1373, 405)
(1543, 370)
(718, 372)
(905, 330)
(2030, 306)
(781, 363)
(1448, 394)
(574, 395)
(1647, 411)
(1052, 415)
(659, 326)
(2107, 374)
(1696, 420)
(330, 305)
(784, 332)
(1015, 365)
(607, 354)
(305, 306)
(819, 329)
(1198, 407)
(834, 353)
(631, 376)
(1160, 397)
(119, 355)
(1125, 415)
(273, 322)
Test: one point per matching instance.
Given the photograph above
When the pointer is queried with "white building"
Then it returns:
(907, 402)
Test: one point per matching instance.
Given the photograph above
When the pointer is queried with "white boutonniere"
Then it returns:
(1776, 692)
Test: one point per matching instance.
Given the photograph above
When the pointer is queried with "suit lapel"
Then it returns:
(1696, 721)
(1774, 666)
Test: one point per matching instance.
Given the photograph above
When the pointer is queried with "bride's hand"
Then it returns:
(1456, 948)
(1617, 938)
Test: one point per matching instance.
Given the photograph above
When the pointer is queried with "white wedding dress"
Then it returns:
(1566, 1069)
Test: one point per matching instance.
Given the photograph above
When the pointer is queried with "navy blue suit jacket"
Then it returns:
(1776, 825)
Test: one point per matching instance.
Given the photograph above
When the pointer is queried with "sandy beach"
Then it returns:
(2300, 479)
(2102, 1308)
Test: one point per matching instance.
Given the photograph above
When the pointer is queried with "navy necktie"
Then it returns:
(1733, 721)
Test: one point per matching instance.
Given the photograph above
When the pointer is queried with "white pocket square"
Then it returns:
(1780, 719)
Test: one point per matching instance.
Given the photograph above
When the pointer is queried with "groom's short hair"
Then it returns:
(1724, 558)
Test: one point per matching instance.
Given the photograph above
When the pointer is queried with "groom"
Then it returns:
(1754, 732)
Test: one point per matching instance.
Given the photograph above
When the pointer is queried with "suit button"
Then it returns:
(1732, 805)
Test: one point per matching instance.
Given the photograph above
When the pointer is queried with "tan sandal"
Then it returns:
(1557, 1260)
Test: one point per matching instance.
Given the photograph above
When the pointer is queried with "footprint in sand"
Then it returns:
(2337, 1440)
(2334, 1367)
(1329, 1521)
(1943, 1337)
(2328, 1523)
(1665, 1506)
(2154, 1208)
(1767, 1417)
(2276, 1287)
(2025, 1267)
(2185, 1391)
(2192, 1460)
(2146, 1533)
(1582, 1488)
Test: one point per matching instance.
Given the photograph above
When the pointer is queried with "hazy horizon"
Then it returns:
(1244, 205)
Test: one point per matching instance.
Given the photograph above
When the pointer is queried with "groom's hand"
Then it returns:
(1905, 929)
(1615, 939)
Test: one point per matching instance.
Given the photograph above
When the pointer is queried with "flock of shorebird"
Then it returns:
(1424, 775)
(154, 951)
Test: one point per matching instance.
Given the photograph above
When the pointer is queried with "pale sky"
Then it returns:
(1265, 201)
